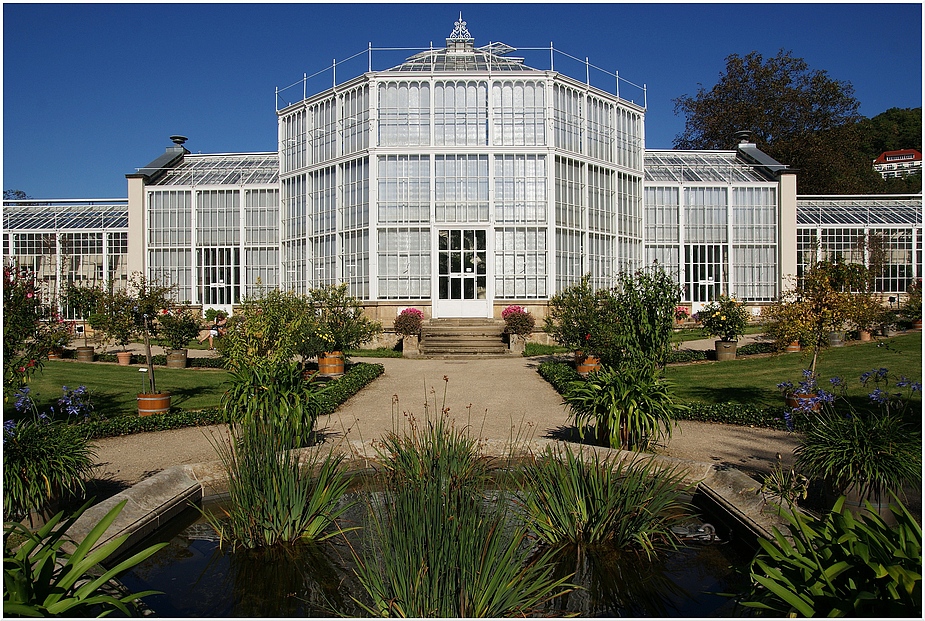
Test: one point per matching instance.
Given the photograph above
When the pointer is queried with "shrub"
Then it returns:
(41, 579)
(581, 318)
(912, 307)
(840, 565)
(587, 499)
(43, 459)
(645, 306)
(872, 450)
(27, 336)
(409, 321)
(518, 320)
(271, 328)
(273, 396)
(272, 497)
(724, 318)
(630, 407)
(177, 327)
(341, 324)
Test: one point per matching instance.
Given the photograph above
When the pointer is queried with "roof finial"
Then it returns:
(460, 33)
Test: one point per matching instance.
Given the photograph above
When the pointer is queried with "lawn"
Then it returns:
(754, 380)
(747, 380)
(113, 388)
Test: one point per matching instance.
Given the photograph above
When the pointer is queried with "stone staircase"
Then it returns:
(463, 338)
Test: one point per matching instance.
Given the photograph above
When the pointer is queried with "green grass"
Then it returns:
(113, 388)
(754, 380)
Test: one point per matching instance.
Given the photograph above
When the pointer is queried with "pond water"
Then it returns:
(199, 579)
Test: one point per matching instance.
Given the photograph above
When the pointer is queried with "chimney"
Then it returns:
(743, 136)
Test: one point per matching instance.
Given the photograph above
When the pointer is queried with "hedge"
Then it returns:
(337, 392)
(161, 361)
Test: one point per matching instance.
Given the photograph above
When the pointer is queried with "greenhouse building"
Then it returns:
(460, 180)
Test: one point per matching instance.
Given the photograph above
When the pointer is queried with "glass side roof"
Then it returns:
(53, 216)
(223, 169)
(699, 166)
(860, 211)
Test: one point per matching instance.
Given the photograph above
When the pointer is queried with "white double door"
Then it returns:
(462, 268)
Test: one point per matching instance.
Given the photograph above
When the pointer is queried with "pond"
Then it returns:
(200, 579)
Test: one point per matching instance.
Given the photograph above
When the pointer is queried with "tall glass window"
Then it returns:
(404, 263)
(323, 135)
(520, 188)
(461, 113)
(461, 188)
(568, 118)
(404, 114)
(600, 129)
(354, 114)
(404, 188)
(519, 113)
(520, 262)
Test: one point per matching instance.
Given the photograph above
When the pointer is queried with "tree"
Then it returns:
(799, 116)
(777, 99)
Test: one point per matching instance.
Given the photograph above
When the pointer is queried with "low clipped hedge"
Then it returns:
(160, 360)
(560, 375)
(337, 391)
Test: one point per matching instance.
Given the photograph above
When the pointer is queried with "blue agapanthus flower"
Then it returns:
(879, 396)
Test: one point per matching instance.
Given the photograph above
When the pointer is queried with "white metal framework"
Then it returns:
(67, 241)
(212, 226)
(713, 219)
(459, 179)
(882, 232)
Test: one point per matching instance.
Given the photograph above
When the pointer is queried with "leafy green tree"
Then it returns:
(30, 330)
(777, 99)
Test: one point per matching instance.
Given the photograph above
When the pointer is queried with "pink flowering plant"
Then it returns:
(30, 329)
(681, 313)
(518, 320)
(409, 322)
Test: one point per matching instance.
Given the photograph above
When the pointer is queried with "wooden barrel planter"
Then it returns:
(725, 350)
(124, 358)
(793, 347)
(54, 354)
(331, 364)
(153, 403)
(85, 354)
(585, 364)
(176, 358)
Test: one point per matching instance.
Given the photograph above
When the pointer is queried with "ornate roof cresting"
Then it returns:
(460, 33)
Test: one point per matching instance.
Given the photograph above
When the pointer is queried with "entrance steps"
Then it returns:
(463, 338)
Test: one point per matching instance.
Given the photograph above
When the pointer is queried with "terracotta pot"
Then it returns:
(725, 350)
(917, 324)
(54, 354)
(793, 400)
(794, 347)
(585, 364)
(124, 358)
(176, 358)
(331, 363)
(85, 353)
(153, 403)
(864, 336)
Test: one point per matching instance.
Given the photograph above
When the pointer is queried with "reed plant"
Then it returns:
(587, 499)
(441, 542)
(273, 498)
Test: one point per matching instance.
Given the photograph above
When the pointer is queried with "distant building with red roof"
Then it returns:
(901, 163)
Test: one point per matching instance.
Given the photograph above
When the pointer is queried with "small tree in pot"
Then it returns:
(725, 318)
(83, 301)
(177, 327)
(583, 319)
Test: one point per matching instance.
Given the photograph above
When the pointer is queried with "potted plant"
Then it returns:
(803, 396)
(146, 300)
(727, 319)
(83, 301)
(341, 325)
(177, 327)
(581, 318)
(114, 321)
(681, 313)
(518, 325)
(866, 313)
(866, 453)
(408, 325)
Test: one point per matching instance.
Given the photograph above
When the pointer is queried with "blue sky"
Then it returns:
(92, 91)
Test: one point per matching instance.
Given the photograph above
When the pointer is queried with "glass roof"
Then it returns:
(860, 211)
(56, 216)
(223, 169)
(699, 166)
(487, 58)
